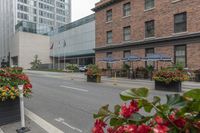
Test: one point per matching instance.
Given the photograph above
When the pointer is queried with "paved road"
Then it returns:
(69, 104)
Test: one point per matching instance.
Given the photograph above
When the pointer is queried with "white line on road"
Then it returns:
(42, 123)
(1, 131)
(78, 89)
(61, 120)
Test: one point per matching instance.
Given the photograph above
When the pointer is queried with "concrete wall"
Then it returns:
(27, 45)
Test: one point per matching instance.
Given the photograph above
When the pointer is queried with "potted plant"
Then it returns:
(141, 72)
(10, 78)
(197, 75)
(93, 74)
(150, 69)
(170, 79)
(180, 114)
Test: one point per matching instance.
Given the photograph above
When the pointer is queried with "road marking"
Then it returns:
(1, 131)
(61, 120)
(42, 123)
(78, 89)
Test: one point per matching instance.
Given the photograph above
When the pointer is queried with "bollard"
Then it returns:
(23, 128)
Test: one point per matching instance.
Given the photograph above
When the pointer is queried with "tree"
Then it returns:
(35, 63)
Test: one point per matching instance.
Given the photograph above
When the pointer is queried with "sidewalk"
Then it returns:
(11, 128)
(120, 82)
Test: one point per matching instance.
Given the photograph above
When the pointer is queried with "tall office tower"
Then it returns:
(52, 13)
(48, 12)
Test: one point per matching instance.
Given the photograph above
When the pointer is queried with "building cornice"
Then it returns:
(165, 41)
(101, 5)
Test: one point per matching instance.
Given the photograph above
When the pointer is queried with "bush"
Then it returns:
(180, 114)
(72, 67)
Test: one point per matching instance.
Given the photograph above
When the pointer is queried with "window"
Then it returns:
(180, 55)
(109, 15)
(127, 53)
(109, 55)
(127, 33)
(180, 22)
(127, 9)
(147, 52)
(149, 4)
(149, 29)
(109, 37)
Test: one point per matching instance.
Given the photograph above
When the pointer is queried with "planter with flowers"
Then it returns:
(197, 75)
(180, 114)
(170, 79)
(10, 78)
(93, 74)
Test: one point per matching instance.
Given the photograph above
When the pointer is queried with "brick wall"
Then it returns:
(163, 14)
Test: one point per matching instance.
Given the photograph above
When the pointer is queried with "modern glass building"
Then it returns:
(52, 13)
(74, 43)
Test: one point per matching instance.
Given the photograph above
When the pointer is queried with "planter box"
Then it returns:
(173, 86)
(94, 78)
(197, 77)
(9, 111)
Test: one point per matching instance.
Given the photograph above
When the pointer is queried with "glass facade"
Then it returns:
(50, 12)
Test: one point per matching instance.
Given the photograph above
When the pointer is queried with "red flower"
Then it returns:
(126, 112)
(98, 126)
(27, 86)
(180, 122)
(111, 130)
(130, 128)
(160, 129)
(134, 106)
(159, 119)
(143, 129)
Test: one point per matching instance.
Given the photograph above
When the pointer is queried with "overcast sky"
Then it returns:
(82, 8)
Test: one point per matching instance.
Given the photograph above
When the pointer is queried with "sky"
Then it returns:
(82, 8)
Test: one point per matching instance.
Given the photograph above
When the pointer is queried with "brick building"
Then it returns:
(139, 27)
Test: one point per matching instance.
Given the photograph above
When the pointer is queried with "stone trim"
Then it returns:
(167, 41)
(104, 5)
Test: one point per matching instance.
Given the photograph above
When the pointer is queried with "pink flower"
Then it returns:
(160, 129)
(159, 119)
(126, 112)
(98, 126)
(130, 128)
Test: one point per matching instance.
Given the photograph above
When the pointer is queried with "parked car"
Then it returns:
(82, 68)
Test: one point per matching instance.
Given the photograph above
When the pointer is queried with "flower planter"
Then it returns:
(172, 86)
(9, 111)
(197, 77)
(94, 78)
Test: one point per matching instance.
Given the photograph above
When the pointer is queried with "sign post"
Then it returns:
(23, 128)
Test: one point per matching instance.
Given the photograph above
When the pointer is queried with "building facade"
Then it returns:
(141, 27)
(48, 12)
(27, 43)
(74, 43)
(51, 13)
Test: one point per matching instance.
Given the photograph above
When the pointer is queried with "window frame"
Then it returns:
(146, 62)
(146, 26)
(175, 56)
(125, 10)
(145, 5)
(108, 65)
(126, 34)
(109, 15)
(107, 37)
(180, 23)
